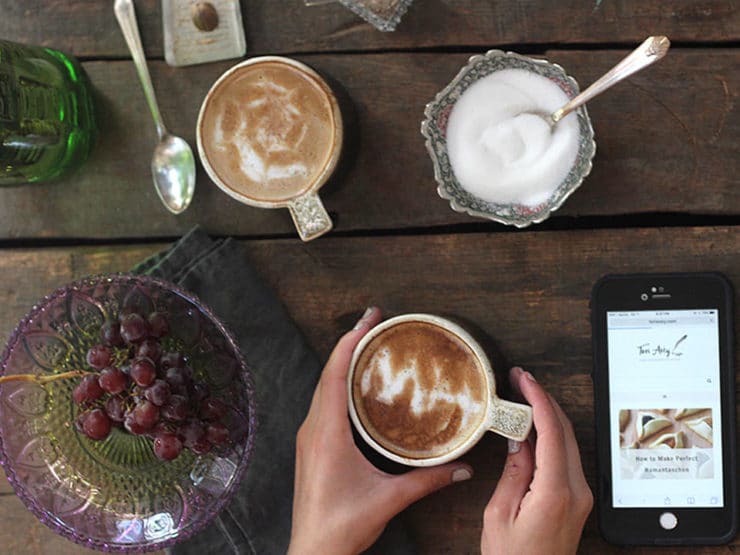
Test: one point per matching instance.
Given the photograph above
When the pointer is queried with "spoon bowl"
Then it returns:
(173, 170)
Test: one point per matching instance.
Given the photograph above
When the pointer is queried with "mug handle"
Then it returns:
(512, 420)
(309, 216)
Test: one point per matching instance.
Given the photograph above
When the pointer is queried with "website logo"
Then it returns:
(658, 351)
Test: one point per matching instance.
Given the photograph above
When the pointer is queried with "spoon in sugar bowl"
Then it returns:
(173, 164)
(649, 52)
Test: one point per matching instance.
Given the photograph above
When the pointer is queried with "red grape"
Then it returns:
(132, 426)
(176, 409)
(201, 447)
(113, 380)
(159, 428)
(143, 371)
(201, 391)
(99, 356)
(110, 334)
(87, 390)
(176, 377)
(158, 393)
(172, 360)
(134, 328)
(217, 433)
(191, 432)
(167, 446)
(149, 392)
(79, 421)
(115, 408)
(150, 348)
(96, 425)
(212, 409)
(146, 414)
(181, 390)
(158, 324)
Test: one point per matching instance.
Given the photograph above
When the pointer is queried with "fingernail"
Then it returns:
(362, 322)
(530, 377)
(517, 371)
(514, 446)
(461, 474)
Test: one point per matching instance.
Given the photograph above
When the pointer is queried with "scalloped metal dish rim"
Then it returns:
(457, 207)
(64, 530)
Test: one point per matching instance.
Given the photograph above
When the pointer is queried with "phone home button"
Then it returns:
(668, 521)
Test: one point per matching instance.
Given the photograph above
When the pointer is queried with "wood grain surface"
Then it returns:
(668, 150)
(668, 141)
(525, 295)
(87, 27)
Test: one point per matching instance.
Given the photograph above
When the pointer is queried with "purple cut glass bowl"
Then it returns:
(115, 495)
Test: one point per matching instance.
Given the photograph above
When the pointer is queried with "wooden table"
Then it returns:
(663, 194)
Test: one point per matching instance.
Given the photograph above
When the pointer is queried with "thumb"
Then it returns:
(405, 489)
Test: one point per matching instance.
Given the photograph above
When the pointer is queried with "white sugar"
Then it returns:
(502, 154)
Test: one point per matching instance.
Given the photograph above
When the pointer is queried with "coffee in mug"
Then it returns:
(422, 392)
(269, 134)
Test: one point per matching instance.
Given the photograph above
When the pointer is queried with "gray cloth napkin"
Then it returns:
(285, 371)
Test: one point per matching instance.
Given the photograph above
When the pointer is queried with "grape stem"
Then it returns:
(41, 380)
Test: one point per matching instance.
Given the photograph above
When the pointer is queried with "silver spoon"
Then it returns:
(173, 164)
(649, 52)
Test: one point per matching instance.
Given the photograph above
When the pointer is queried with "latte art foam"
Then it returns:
(419, 390)
(269, 131)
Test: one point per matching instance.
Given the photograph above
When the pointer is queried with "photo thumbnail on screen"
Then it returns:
(666, 443)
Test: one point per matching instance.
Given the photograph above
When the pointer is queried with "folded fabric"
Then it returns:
(285, 371)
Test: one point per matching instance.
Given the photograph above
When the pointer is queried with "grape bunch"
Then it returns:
(147, 391)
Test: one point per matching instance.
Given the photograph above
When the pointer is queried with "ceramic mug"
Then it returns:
(269, 135)
(511, 420)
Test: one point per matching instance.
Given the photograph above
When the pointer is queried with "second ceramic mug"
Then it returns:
(269, 134)
(511, 420)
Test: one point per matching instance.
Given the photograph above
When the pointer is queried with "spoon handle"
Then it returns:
(126, 16)
(650, 51)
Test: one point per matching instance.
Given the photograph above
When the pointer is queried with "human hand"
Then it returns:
(542, 500)
(342, 502)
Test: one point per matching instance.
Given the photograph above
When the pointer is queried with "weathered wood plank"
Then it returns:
(88, 27)
(527, 291)
(668, 140)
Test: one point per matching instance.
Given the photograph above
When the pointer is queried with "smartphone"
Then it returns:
(664, 400)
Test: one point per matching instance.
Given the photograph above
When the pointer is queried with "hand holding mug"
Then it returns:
(341, 502)
(542, 498)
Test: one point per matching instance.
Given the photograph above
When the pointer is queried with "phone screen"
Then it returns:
(664, 406)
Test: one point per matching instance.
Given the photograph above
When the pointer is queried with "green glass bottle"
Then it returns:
(47, 123)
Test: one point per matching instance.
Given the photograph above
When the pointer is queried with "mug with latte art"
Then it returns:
(422, 392)
(269, 134)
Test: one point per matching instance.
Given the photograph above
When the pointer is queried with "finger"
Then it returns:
(514, 374)
(575, 468)
(514, 482)
(404, 489)
(550, 450)
(334, 367)
(332, 391)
